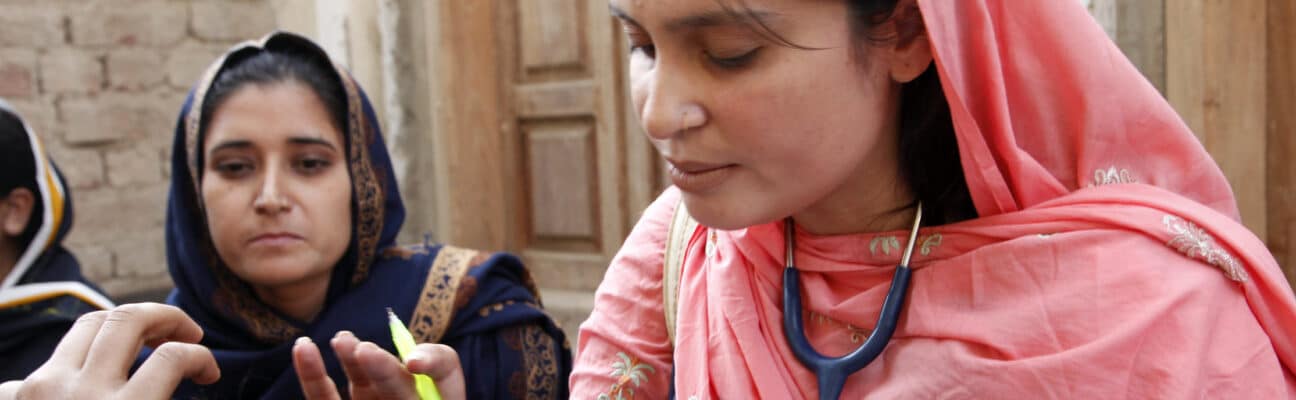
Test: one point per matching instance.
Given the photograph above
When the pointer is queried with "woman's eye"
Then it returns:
(234, 168)
(312, 165)
(733, 62)
(646, 49)
(639, 40)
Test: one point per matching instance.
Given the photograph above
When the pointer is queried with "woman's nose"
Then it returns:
(271, 200)
(669, 107)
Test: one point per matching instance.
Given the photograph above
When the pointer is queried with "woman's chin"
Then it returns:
(741, 206)
(723, 216)
(276, 273)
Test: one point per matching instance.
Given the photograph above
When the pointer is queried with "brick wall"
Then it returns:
(102, 81)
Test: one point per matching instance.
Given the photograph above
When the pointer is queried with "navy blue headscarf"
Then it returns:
(483, 305)
(45, 292)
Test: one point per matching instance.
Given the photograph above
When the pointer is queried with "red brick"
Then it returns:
(17, 73)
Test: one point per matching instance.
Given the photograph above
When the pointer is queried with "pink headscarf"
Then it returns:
(1107, 261)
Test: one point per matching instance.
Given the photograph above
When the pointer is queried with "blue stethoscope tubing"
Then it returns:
(832, 372)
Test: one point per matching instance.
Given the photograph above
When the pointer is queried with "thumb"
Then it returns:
(440, 362)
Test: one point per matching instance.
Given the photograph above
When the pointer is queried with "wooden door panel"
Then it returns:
(559, 166)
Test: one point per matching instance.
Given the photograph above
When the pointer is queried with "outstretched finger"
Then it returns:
(128, 327)
(344, 344)
(71, 350)
(314, 379)
(158, 377)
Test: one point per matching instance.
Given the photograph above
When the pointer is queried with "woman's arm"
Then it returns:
(623, 347)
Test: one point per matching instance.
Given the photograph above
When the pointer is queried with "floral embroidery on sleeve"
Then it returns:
(628, 371)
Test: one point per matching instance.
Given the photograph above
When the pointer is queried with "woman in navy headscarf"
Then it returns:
(281, 224)
(41, 288)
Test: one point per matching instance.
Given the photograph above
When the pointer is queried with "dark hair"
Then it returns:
(928, 148)
(18, 169)
(266, 67)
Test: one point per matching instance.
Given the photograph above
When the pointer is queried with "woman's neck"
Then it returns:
(874, 199)
(302, 301)
(842, 213)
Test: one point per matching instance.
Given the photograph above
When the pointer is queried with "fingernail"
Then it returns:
(345, 333)
(302, 340)
(417, 356)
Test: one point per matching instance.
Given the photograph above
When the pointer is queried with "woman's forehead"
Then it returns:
(285, 112)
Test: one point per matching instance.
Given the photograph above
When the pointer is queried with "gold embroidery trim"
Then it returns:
(436, 304)
(366, 181)
(1195, 243)
(488, 309)
(541, 363)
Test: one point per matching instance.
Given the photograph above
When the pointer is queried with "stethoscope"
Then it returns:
(832, 372)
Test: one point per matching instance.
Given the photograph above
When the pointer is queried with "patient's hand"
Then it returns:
(374, 373)
(95, 356)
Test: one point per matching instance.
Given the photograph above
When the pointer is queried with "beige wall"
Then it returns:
(102, 82)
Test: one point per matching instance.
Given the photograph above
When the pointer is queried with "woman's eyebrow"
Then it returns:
(704, 20)
(230, 144)
(309, 140)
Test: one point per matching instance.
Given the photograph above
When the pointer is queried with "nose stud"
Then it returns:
(691, 117)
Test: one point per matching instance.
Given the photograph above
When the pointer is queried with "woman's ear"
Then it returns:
(912, 53)
(15, 211)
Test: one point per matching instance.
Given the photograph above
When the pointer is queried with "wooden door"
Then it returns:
(537, 152)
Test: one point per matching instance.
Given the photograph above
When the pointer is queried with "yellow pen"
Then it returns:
(423, 384)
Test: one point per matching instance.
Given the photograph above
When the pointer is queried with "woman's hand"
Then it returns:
(95, 356)
(374, 373)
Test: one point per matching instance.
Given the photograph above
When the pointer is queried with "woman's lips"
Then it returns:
(275, 239)
(691, 176)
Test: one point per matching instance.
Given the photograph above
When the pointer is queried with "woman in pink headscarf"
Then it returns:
(1076, 240)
